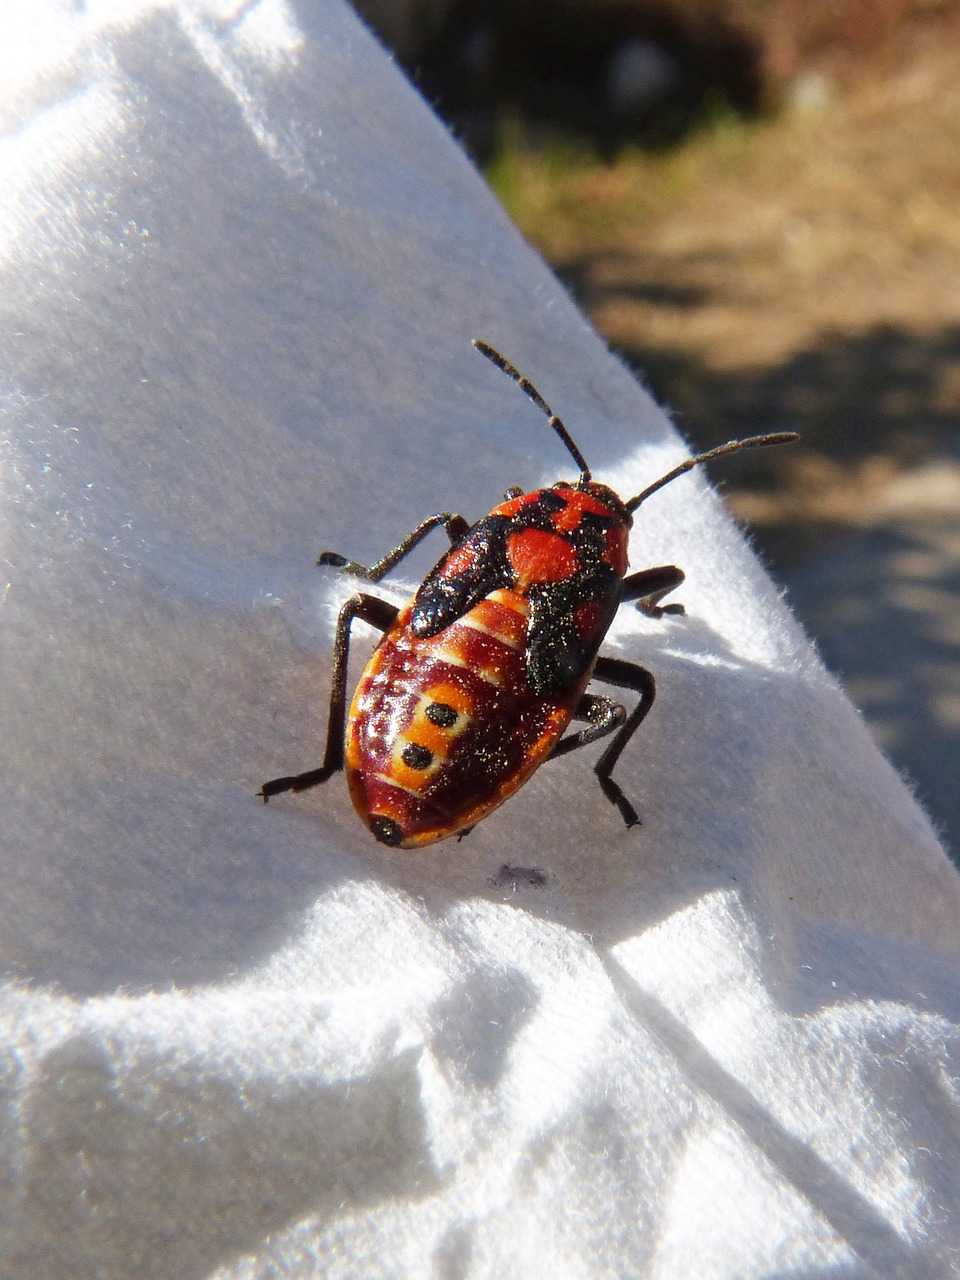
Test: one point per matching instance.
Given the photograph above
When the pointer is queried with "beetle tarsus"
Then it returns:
(454, 526)
(294, 782)
(613, 793)
(649, 586)
(650, 609)
(377, 613)
(335, 559)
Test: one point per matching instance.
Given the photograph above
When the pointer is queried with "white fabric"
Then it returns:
(242, 265)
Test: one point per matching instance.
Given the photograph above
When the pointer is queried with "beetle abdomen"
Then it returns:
(443, 729)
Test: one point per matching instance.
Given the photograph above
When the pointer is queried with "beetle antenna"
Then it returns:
(527, 387)
(732, 446)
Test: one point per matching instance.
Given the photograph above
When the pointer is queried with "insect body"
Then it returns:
(476, 680)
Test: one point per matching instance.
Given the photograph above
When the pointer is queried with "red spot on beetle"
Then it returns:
(460, 560)
(513, 505)
(538, 556)
(616, 551)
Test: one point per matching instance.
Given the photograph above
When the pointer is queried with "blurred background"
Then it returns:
(758, 204)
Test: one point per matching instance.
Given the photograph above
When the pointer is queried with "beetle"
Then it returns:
(476, 679)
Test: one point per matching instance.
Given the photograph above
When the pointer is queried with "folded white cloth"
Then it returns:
(242, 268)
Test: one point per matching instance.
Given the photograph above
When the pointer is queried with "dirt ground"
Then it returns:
(804, 273)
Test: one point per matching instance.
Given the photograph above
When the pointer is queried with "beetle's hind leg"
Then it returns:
(627, 675)
(606, 717)
(453, 525)
(378, 613)
(649, 586)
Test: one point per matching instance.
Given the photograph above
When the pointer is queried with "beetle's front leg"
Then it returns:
(378, 613)
(649, 586)
(453, 525)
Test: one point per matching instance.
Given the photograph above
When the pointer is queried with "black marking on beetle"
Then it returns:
(442, 715)
(556, 655)
(536, 515)
(414, 756)
(386, 830)
(442, 598)
(594, 520)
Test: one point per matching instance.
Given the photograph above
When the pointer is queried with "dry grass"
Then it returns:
(802, 272)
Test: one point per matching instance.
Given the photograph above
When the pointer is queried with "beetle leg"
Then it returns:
(378, 613)
(649, 586)
(611, 717)
(454, 526)
(604, 716)
(626, 675)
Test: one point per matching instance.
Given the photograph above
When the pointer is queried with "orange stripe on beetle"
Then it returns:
(502, 619)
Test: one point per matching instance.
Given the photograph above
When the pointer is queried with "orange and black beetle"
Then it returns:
(476, 679)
